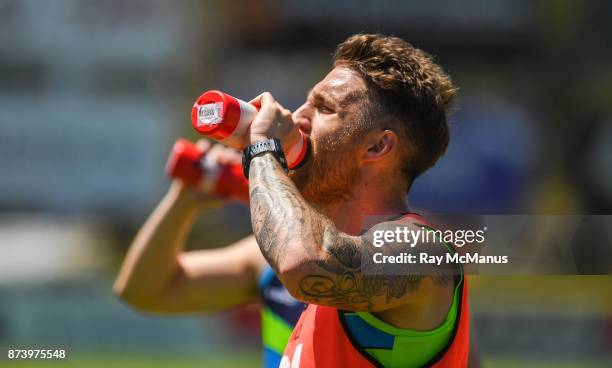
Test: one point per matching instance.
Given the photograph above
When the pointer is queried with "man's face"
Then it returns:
(331, 117)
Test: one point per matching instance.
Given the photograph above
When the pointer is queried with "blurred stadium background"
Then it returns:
(94, 93)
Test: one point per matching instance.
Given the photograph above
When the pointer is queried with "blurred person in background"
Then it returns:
(159, 276)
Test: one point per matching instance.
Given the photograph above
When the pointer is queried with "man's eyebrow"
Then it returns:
(346, 100)
(349, 98)
(323, 96)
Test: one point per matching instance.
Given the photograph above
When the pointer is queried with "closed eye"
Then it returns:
(325, 109)
(322, 103)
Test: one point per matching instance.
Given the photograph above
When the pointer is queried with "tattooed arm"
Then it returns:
(320, 264)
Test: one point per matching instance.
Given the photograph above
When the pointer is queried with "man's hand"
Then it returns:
(273, 121)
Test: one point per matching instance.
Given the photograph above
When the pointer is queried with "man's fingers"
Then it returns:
(263, 99)
(285, 113)
(257, 100)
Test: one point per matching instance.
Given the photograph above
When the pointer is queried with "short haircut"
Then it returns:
(409, 94)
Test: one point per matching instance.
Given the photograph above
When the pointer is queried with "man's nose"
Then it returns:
(302, 119)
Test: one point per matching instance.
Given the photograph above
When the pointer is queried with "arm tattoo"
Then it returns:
(279, 214)
(281, 218)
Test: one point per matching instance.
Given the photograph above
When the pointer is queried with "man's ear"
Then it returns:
(379, 145)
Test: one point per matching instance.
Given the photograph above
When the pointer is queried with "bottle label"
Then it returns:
(210, 114)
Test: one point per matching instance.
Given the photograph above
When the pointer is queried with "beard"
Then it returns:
(327, 178)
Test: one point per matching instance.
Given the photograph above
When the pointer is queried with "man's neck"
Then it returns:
(366, 208)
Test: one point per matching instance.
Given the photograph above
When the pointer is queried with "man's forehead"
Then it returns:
(341, 84)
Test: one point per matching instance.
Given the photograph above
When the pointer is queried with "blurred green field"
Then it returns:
(515, 363)
(249, 361)
(145, 361)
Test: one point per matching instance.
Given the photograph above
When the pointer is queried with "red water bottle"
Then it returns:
(191, 165)
(226, 119)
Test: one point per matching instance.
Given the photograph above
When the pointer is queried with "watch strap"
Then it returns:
(269, 145)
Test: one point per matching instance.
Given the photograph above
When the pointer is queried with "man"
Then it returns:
(376, 122)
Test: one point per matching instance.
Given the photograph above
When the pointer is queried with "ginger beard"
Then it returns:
(331, 171)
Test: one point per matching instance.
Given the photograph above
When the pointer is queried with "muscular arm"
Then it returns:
(159, 276)
(318, 263)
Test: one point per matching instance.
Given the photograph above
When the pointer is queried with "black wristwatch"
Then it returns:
(270, 145)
